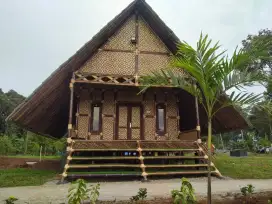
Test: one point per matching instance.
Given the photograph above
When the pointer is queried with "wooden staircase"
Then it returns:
(87, 158)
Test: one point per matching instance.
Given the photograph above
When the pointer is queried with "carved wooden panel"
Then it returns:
(122, 38)
(104, 62)
(149, 63)
(148, 40)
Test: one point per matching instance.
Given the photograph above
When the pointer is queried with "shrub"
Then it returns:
(247, 190)
(94, 193)
(11, 200)
(6, 146)
(186, 194)
(79, 192)
(141, 195)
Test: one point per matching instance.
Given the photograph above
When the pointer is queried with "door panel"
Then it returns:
(123, 123)
(129, 122)
(135, 122)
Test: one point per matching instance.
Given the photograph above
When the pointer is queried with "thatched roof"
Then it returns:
(45, 111)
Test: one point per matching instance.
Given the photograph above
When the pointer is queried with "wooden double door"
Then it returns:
(129, 122)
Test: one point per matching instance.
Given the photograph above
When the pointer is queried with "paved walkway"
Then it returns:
(56, 194)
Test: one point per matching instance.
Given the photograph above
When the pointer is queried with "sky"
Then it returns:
(36, 36)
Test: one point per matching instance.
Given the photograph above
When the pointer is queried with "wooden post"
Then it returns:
(71, 85)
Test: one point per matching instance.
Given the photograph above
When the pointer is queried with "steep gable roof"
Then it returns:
(45, 111)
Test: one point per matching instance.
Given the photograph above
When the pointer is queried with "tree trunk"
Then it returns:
(209, 192)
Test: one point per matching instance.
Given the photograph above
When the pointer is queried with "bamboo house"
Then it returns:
(111, 130)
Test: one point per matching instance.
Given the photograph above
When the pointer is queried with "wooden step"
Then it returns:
(169, 150)
(82, 166)
(135, 150)
(174, 157)
(136, 157)
(98, 174)
(175, 165)
(178, 173)
(106, 158)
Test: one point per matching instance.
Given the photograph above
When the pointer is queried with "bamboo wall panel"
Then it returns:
(107, 128)
(103, 62)
(108, 105)
(148, 40)
(83, 126)
(171, 106)
(149, 129)
(135, 134)
(149, 104)
(84, 104)
(172, 129)
(149, 63)
(122, 38)
(122, 134)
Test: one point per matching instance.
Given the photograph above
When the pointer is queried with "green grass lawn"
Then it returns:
(24, 177)
(251, 167)
(34, 157)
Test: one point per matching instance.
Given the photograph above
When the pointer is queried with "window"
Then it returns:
(96, 118)
(161, 122)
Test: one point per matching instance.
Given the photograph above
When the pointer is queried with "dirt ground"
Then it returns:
(257, 198)
(10, 162)
(122, 191)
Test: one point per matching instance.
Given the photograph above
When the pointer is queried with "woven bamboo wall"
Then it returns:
(149, 101)
(117, 55)
(114, 57)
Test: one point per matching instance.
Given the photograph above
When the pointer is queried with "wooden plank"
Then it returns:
(176, 165)
(79, 166)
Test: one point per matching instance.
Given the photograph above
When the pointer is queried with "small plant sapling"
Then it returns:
(141, 195)
(11, 200)
(78, 192)
(94, 193)
(186, 194)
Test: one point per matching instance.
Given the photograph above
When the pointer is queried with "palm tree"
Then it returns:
(212, 77)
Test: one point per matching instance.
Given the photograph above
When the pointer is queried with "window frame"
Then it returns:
(93, 105)
(158, 131)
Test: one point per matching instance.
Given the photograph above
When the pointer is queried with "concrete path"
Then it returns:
(56, 194)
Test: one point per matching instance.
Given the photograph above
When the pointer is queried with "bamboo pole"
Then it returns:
(70, 127)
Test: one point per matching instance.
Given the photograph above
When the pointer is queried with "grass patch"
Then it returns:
(33, 157)
(251, 167)
(24, 177)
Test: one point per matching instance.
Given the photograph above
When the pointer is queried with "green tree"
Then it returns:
(252, 42)
(210, 76)
(261, 118)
